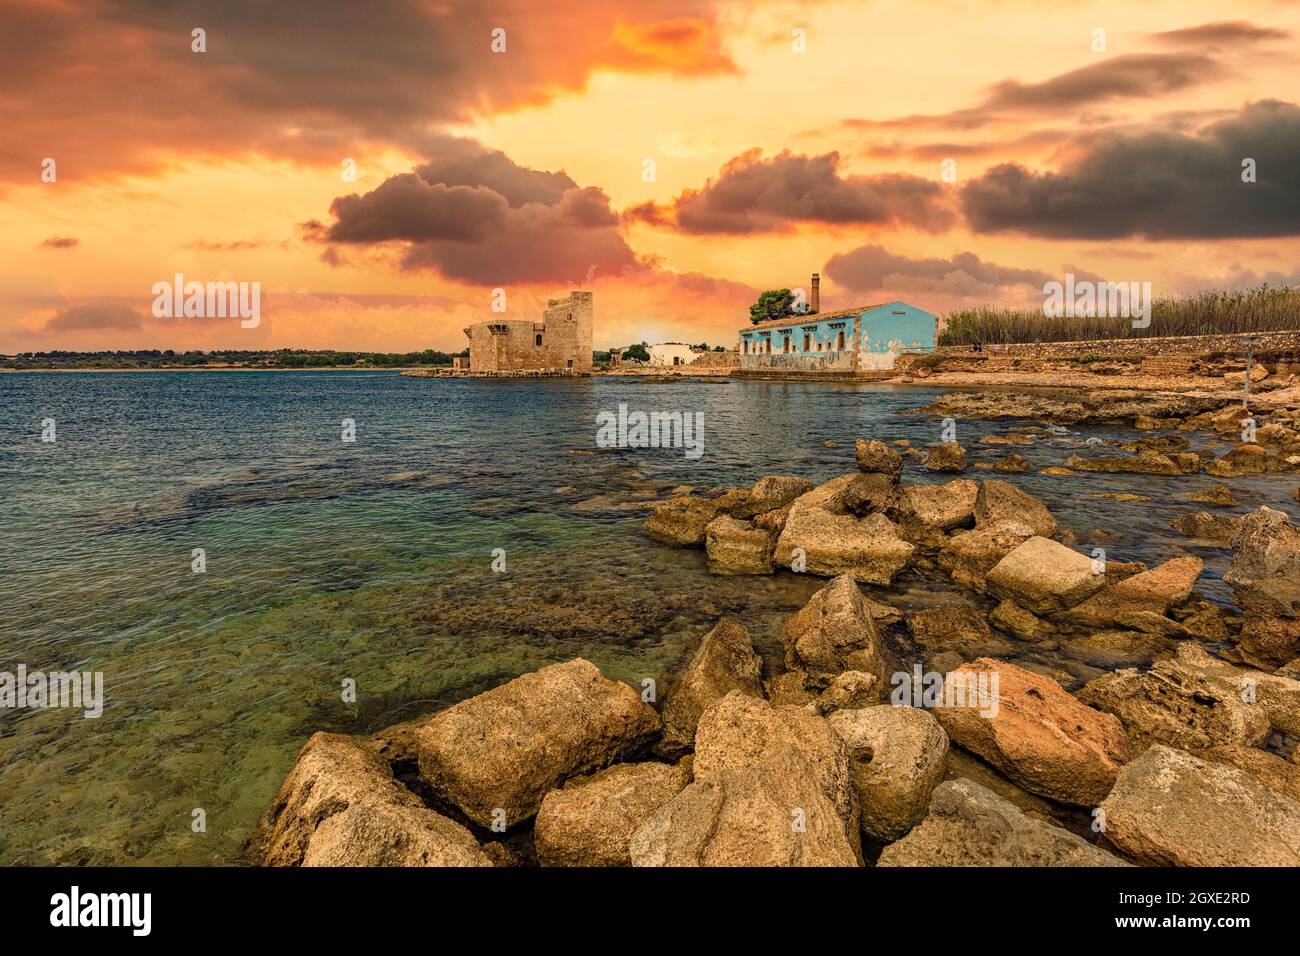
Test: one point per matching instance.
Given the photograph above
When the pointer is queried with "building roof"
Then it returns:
(795, 320)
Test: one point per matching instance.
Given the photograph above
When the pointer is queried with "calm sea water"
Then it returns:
(371, 561)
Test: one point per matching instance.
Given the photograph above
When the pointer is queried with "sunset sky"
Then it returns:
(785, 138)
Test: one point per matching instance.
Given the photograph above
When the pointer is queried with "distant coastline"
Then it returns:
(226, 368)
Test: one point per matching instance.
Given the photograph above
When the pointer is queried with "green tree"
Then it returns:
(637, 353)
(772, 304)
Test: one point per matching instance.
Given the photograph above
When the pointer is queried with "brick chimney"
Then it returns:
(816, 293)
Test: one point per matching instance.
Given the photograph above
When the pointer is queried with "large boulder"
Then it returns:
(999, 502)
(772, 788)
(1265, 581)
(970, 555)
(737, 547)
(1246, 460)
(1037, 734)
(856, 493)
(682, 520)
(1269, 769)
(897, 758)
(1265, 640)
(1206, 526)
(1265, 572)
(925, 513)
(1143, 463)
(834, 632)
(1177, 705)
(969, 825)
(1278, 694)
(875, 457)
(870, 550)
(1045, 576)
(725, 661)
(1170, 808)
(507, 748)
(775, 491)
(340, 806)
(1135, 600)
(750, 817)
(741, 732)
(590, 821)
(946, 457)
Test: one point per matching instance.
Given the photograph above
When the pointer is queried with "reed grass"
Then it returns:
(1261, 309)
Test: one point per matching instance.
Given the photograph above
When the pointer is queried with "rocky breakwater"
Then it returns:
(1268, 435)
(1001, 544)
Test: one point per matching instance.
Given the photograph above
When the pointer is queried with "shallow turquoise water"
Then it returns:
(371, 561)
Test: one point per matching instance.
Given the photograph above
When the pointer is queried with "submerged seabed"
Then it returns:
(370, 561)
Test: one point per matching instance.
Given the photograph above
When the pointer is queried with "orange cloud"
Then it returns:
(689, 46)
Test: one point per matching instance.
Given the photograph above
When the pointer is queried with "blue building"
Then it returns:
(863, 339)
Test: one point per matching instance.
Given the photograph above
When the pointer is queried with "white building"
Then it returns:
(671, 353)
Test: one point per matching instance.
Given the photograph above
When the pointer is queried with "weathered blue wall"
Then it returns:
(891, 329)
(873, 339)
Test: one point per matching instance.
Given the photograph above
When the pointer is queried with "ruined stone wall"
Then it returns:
(512, 345)
(727, 359)
(1168, 345)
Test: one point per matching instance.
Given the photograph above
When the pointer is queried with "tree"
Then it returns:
(636, 352)
(772, 304)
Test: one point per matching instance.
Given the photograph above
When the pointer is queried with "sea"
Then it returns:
(247, 558)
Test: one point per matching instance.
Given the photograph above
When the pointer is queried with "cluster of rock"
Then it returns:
(1274, 447)
(807, 769)
(1001, 543)
(1177, 762)
(867, 524)
(599, 777)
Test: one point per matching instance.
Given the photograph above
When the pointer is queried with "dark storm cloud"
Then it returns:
(1220, 33)
(868, 267)
(1159, 185)
(463, 162)
(114, 85)
(1130, 75)
(575, 240)
(408, 207)
(753, 194)
(1127, 76)
(476, 216)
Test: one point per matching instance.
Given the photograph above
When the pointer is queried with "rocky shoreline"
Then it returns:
(1183, 753)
